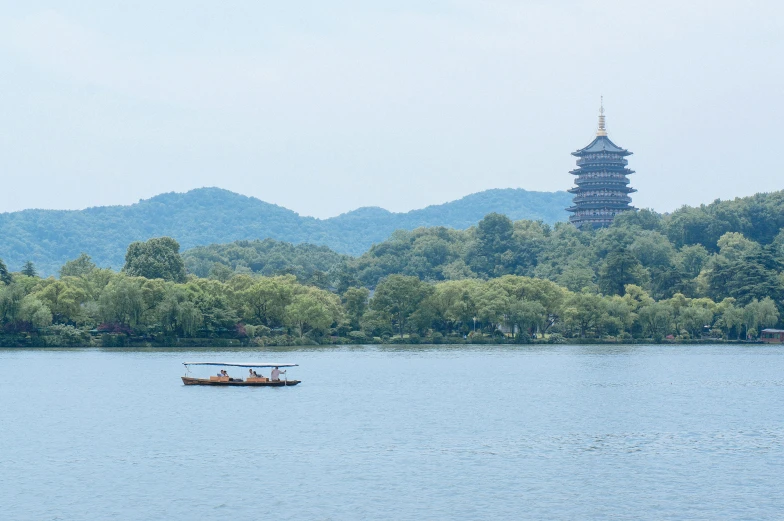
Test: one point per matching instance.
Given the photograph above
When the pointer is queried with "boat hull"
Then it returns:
(186, 380)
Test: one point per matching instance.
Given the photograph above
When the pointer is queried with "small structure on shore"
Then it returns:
(772, 336)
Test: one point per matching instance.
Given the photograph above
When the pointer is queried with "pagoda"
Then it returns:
(602, 190)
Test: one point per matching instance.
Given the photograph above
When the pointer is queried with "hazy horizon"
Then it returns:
(325, 109)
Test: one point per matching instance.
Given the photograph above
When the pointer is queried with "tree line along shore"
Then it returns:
(712, 273)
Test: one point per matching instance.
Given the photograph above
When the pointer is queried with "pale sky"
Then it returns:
(326, 106)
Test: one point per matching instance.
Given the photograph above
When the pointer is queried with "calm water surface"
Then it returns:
(562, 432)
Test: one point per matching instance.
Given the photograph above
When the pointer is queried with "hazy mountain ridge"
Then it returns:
(213, 215)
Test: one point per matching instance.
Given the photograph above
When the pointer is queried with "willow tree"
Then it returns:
(5, 277)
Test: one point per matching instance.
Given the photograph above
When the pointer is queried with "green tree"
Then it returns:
(399, 297)
(657, 319)
(698, 314)
(492, 303)
(620, 268)
(758, 314)
(121, 301)
(11, 297)
(547, 293)
(584, 312)
(356, 303)
(452, 305)
(576, 277)
(731, 318)
(653, 250)
(494, 245)
(618, 317)
(64, 300)
(494, 234)
(68, 336)
(35, 312)
(313, 310)
(645, 219)
(28, 269)
(157, 258)
(734, 246)
(177, 314)
(220, 272)
(691, 259)
(265, 301)
(79, 267)
(767, 313)
(377, 323)
(528, 316)
(215, 302)
(5, 277)
(745, 275)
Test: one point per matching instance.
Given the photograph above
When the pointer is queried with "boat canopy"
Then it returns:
(248, 364)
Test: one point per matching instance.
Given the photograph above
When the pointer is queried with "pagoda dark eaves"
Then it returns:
(602, 186)
(601, 144)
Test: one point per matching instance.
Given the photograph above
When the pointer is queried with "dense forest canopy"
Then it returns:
(735, 247)
(708, 272)
(49, 238)
(309, 263)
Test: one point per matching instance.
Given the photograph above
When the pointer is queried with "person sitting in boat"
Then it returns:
(275, 375)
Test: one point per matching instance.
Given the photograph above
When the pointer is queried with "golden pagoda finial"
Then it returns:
(602, 130)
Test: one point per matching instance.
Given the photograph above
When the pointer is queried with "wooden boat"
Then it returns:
(261, 381)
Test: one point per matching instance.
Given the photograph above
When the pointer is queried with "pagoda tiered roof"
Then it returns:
(601, 144)
(594, 208)
(595, 168)
(618, 188)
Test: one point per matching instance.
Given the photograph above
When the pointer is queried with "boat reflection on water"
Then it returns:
(253, 379)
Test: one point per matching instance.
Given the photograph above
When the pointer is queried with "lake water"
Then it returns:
(562, 432)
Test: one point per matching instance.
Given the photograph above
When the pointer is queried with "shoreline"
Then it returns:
(225, 343)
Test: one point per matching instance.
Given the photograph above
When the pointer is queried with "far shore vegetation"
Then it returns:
(706, 274)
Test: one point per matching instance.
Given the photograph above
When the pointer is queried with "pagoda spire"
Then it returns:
(602, 131)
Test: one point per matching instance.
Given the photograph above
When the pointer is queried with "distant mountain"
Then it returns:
(205, 216)
(515, 203)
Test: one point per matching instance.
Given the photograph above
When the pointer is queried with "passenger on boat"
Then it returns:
(275, 375)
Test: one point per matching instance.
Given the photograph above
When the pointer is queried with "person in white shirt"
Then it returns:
(275, 375)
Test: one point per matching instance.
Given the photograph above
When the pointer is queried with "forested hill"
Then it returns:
(516, 204)
(204, 216)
